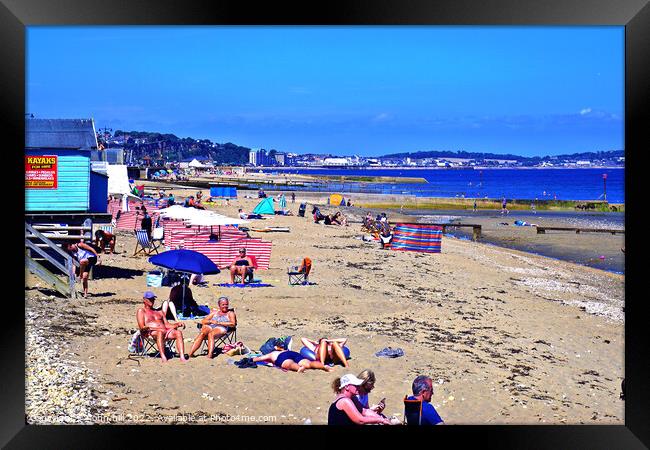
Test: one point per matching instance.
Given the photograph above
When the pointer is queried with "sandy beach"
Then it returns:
(508, 337)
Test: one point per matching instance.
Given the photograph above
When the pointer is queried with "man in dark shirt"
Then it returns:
(146, 223)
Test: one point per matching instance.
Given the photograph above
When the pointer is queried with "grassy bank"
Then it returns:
(367, 179)
(491, 204)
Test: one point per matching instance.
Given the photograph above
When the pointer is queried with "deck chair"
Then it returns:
(107, 228)
(299, 274)
(146, 345)
(145, 245)
(229, 338)
(412, 411)
(250, 273)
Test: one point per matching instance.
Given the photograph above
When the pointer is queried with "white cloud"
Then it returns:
(585, 111)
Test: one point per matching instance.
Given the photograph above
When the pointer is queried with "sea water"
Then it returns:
(529, 184)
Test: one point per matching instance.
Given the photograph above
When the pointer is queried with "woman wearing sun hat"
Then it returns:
(344, 411)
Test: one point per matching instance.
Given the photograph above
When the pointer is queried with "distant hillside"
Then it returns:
(480, 156)
(172, 148)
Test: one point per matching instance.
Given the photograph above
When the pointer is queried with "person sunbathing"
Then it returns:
(154, 324)
(339, 219)
(242, 266)
(290, 360)
(215, 325)
(327, 350)
(246, 216)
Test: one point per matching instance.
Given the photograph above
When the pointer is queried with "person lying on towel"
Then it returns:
(246, 216)
(327, 350)
(243, 266)
(290, 360)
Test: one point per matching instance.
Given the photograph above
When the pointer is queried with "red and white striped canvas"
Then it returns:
(224, 252)
(130, 220)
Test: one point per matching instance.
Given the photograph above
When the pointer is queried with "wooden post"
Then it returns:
(476, 233)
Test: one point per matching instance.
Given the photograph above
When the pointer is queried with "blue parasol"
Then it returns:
(187, 261)
(183, 260)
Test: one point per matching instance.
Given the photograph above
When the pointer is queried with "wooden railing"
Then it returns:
(38, 247)
(543, 230)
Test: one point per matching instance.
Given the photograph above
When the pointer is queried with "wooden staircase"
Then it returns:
(47, 250)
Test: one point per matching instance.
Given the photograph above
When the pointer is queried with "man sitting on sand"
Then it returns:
(290, 360)
(154, 324)
(423, 390)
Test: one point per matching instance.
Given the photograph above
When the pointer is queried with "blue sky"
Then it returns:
(341, 90)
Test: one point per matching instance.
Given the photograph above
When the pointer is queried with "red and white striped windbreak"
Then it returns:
(225, 251)
(130, 220)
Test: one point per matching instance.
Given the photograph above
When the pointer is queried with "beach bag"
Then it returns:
(135, 343)
(237, 348)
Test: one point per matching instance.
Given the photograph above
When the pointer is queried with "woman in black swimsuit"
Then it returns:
(344, 411)
(243, 266)
(290, 360)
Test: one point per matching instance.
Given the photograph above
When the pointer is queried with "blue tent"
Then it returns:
(265, 207)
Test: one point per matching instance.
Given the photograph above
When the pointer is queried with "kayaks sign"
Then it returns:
(41, 172)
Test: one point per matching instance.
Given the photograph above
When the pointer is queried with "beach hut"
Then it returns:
(336, 200)
(57, 164)
(265, 206)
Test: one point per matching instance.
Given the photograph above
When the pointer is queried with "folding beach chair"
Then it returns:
(412, 411)
(250, 273)
(229, 338)
(299, 274)
(146, 345)
(146, 246)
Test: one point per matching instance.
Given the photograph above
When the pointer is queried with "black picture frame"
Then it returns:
(15, 15)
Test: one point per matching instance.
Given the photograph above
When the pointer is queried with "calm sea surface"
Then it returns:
(542, 184)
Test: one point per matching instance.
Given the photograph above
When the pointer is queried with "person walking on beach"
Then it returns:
(533, 207)
(154, 324)
(293, 197)
(423, 391)
(504, 204)
(474, 209)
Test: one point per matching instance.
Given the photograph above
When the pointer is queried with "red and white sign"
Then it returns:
(41, 172)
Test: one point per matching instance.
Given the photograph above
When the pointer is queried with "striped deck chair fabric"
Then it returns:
(417, 238)
(107, 228)
(144, 244)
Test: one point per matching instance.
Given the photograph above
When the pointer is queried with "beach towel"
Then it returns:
(389, 352)
(240, 285)
(193, 316)
(417, 238)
